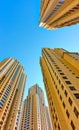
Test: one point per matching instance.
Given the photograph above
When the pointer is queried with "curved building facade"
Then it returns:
(35, 113)
(12, 84)
(58, 13)
(60, 70)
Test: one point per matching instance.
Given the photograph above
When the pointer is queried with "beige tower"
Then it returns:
(35, 114)
(60, 70)
(12, 84)
(58, 13)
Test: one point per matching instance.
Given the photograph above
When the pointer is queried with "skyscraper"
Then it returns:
(12, 84)
(58, 13)
(60, 70)
(35, 114)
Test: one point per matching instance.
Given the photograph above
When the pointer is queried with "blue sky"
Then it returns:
(22, 38)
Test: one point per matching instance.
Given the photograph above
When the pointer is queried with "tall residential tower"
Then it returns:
(12, 84)
(58, 13)
(60, 70)
(35, 114)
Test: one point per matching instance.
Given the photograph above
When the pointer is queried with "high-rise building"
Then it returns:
(58, 13)
(12, 84)
(35, 113)
(60, 70)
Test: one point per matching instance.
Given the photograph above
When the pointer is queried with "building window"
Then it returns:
(56, 118)
(63, 104)
(56, 86)
(58, 127)
(1, 122)
(55, 73)
(59, 70)
(72, 88)
(62, 73)
(68, 82)
(65, 93)
(54, 82)
(53, 116)
(57, 77)
(58, 91)
(55, 124)
(54, 110)
(60, 97)
(72, 125)
(77, 77)
(67, 113)
(70, 101)
(62, 87)
(76, 112)
(64, 77)
(59, 81)
(57, 67)
(77, 95)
